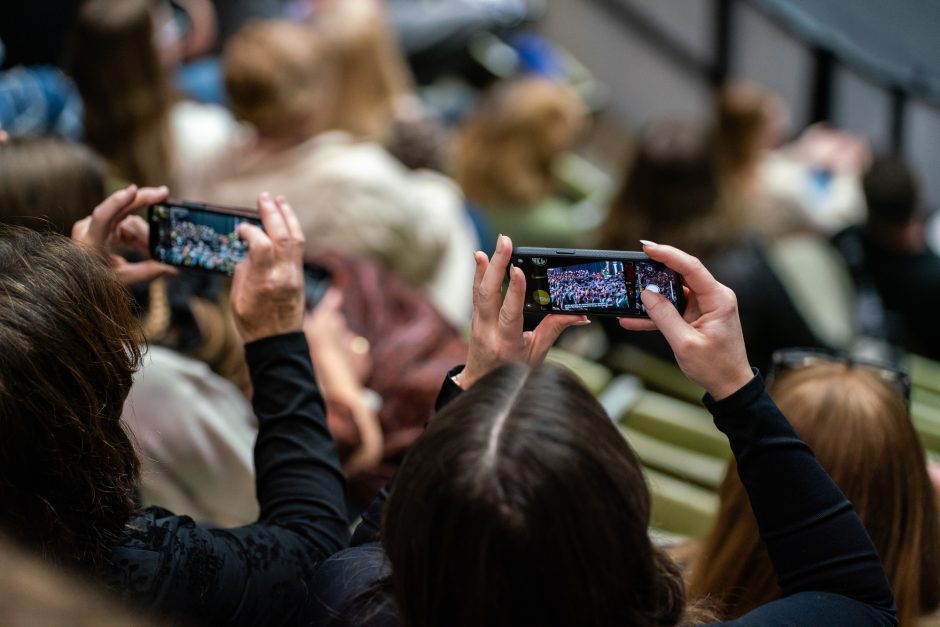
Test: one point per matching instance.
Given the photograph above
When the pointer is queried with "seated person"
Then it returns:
(508, 158)
(70, 345)
(522, 504)
(47, 183)
(672, 194)
(351, 195)
(890, 260)
(858, 425)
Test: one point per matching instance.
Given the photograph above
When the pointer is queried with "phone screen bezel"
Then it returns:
(568, 256)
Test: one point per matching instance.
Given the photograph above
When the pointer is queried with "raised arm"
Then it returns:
(259, 573)
(815, 540)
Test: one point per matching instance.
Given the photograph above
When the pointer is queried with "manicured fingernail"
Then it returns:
(646, 242)
(652, 287)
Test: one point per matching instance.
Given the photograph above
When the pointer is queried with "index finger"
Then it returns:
(490, 290)
(109, 212)
(695, 275)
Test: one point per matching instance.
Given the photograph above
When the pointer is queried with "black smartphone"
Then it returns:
(199, 236)
(593, 282)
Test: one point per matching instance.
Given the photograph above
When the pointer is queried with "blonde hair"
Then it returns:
(125, 89)
(858, 427)
(277, 78)
(507, 150)
(371, 74)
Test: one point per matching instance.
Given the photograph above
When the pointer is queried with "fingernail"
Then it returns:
(581, 323)
(646, 242)
(164, 188)
(265, 196)
(652, 287)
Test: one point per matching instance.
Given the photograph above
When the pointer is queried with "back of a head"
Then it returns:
(507, 150)
(278, 79)
(126, 94)
(523, 505)
(858, 427)
(891, 192)
(48, 183)
(749, 119)
(371, 73)
(69, 344)
(670, 193)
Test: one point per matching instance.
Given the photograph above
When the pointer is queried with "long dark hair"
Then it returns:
(127, 95)
(69, 345)
(523, 505)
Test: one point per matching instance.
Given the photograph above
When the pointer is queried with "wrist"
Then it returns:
(730, 385)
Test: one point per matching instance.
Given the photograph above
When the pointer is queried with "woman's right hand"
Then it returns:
(268, 286)
(706, 339)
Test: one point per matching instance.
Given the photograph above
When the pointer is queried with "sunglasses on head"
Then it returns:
(796, 358)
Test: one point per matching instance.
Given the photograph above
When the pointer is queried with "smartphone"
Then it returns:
(593, 282)
(198, 236)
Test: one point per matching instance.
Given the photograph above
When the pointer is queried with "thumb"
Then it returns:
(143, 272)
(665, 316)
(547, 331)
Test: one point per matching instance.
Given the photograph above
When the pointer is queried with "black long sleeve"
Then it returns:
(816, 541)
(257, 574)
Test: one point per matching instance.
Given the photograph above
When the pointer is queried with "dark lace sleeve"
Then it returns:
(257, 574)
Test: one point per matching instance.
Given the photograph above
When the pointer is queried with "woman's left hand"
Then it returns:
(496, 335)
(111, 224)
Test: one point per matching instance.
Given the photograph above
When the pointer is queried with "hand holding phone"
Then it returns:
(496, 335)
(268, 287)
(594, 282)
(707, 339)
(112, 224)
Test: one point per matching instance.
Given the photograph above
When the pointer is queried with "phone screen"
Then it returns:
(587, 284)
(200, 238)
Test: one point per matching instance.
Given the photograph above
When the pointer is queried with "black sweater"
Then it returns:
(825, 562)
(257, 574)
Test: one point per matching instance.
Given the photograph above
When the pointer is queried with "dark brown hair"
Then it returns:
(127, 96)
(859, 429)
(671, 193)
(892, 194)
(69, 345)
(523, 505)
(48, 183)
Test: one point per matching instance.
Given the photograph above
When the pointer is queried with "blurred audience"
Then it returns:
(891, 262)
(351, 195)
(808, 185)
(48, 183)
(672, 194)
(132, 117)
(860, 429)
(509, 159)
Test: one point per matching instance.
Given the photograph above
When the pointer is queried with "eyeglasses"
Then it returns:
(796, 358)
